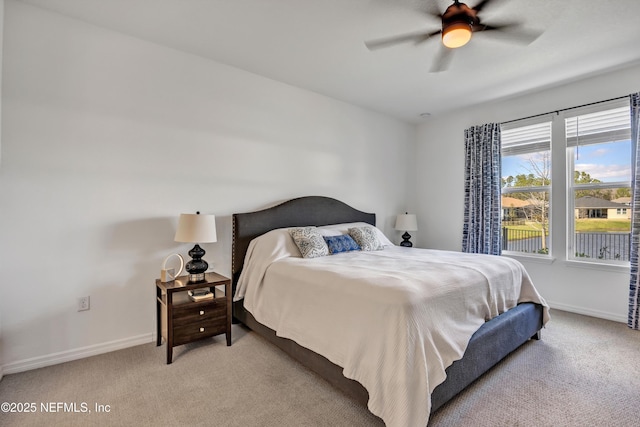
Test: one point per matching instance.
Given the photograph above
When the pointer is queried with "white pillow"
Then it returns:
(262, 252)
(274, 244)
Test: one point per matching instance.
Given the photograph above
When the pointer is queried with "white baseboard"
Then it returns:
(588, 312)
(93, 350)
(75, 354)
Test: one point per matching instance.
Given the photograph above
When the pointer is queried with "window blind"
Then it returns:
(526, 139)
(602, 126)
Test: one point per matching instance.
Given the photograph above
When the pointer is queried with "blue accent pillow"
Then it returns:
(341, 243)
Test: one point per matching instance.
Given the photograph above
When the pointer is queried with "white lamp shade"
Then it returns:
(196, 228)
(406, 222)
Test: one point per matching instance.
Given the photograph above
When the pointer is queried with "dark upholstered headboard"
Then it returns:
(303, 211)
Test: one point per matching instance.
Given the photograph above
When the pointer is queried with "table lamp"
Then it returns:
(196, 228)
(406, 222)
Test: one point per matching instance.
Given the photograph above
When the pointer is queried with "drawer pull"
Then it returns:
(201, 312)
(201, 329)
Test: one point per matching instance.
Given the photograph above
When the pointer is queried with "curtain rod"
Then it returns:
(566, 109)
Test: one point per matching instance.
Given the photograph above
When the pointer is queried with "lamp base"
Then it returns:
(197, 266)
(405, 240)
(197, 277)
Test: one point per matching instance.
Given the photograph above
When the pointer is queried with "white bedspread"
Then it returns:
(393, 319)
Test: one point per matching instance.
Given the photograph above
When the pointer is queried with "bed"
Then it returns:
(489, 342)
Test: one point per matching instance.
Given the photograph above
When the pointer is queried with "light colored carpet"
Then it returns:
(584, 372)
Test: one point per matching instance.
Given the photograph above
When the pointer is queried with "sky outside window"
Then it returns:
(522, 164)
(607, 162)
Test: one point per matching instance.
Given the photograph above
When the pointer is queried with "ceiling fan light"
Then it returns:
(456, 35)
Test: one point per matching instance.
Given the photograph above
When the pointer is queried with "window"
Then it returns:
(590, 151)
(526, 188)
(599, 184)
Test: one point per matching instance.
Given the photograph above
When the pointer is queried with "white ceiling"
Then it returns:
(319, 44)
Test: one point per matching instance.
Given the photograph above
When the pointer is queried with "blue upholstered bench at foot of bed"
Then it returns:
(488, 346)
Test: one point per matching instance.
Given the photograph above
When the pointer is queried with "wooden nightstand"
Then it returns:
(181, 321)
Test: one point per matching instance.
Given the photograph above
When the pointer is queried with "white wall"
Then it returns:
(440, 177)
(1, 33)
(108, 138)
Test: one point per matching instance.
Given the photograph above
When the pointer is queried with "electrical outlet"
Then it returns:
(83, 303)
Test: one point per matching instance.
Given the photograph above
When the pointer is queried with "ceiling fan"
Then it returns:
(459, 22)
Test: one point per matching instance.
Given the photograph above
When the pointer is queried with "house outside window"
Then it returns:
(599, 181)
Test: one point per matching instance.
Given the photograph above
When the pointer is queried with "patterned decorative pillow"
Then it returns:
(341, 243)
(366, 238)
(309, 241)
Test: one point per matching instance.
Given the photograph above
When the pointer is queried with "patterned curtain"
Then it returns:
(482, 216)
(634, 288)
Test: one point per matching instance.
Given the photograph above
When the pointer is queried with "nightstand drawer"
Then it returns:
(192, 314)
(198, 330)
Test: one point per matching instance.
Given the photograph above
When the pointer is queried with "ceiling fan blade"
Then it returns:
(499, 27)
(426, 36)
(510, 32)
(483, 3)
(417, 37)
(442, 60)
(431, 9)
